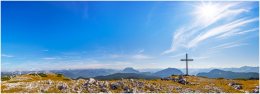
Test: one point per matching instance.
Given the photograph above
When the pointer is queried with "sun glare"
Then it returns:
(207, 11)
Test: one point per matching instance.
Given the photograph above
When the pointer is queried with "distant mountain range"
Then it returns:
(110, 73)
(242, 69)
(118, 76)
(195, 71)
(216, 73)
(87, 73)
(130, 70)
(168, 72)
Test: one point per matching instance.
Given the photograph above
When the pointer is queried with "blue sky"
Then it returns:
(78, 35)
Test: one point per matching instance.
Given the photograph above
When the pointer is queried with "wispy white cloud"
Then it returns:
(208, 13)
(94, 64)
(223, 23)
(141, 51)
(220, 30)
(228, 34)
(236, 32)
(85, 66)
(178, 55)
(113, 56)
(201, 57)
(228, 45)
(135, 56)
(69, 64)
(247, 31)
(8, 56)
(141, 56)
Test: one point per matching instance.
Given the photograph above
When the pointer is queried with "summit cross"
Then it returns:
(186, 59)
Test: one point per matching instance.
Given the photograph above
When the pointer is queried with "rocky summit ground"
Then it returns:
(56, 83)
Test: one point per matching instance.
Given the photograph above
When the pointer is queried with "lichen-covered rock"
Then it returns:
(256, 90)
(91, 81)
(128, 90)
(236, 86)
(62, 86)
(114, 86)
(166, 79)
(182, 80)
(104, 89)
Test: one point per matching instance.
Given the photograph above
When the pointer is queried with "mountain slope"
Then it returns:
(243, 69)
(130, 70)
(86, 73)
(216, 73)
(118, 76)
(168, 72)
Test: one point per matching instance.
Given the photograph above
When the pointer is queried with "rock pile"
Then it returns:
(114, 86)
(236, 86)
(165, 85)
(256, 90)
(167, 79)
(180, 79)
(62, 86)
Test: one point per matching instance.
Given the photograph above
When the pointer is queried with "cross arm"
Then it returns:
(186, 59)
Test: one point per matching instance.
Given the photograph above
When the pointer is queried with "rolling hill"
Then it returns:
(86, 73)
(118, 76)
(168, 72)
(216, 73)
(129, 70)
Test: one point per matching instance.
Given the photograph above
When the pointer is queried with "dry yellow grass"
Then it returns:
(197, 84)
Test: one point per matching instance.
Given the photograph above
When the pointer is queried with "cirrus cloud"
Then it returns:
(228, 20)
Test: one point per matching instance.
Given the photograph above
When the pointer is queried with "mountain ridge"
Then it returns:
(217, 73)
(86, 73)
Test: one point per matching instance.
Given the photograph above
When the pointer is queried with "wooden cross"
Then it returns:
(186, 59)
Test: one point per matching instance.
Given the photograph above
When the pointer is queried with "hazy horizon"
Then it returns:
(141, 70)
(114, 35)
